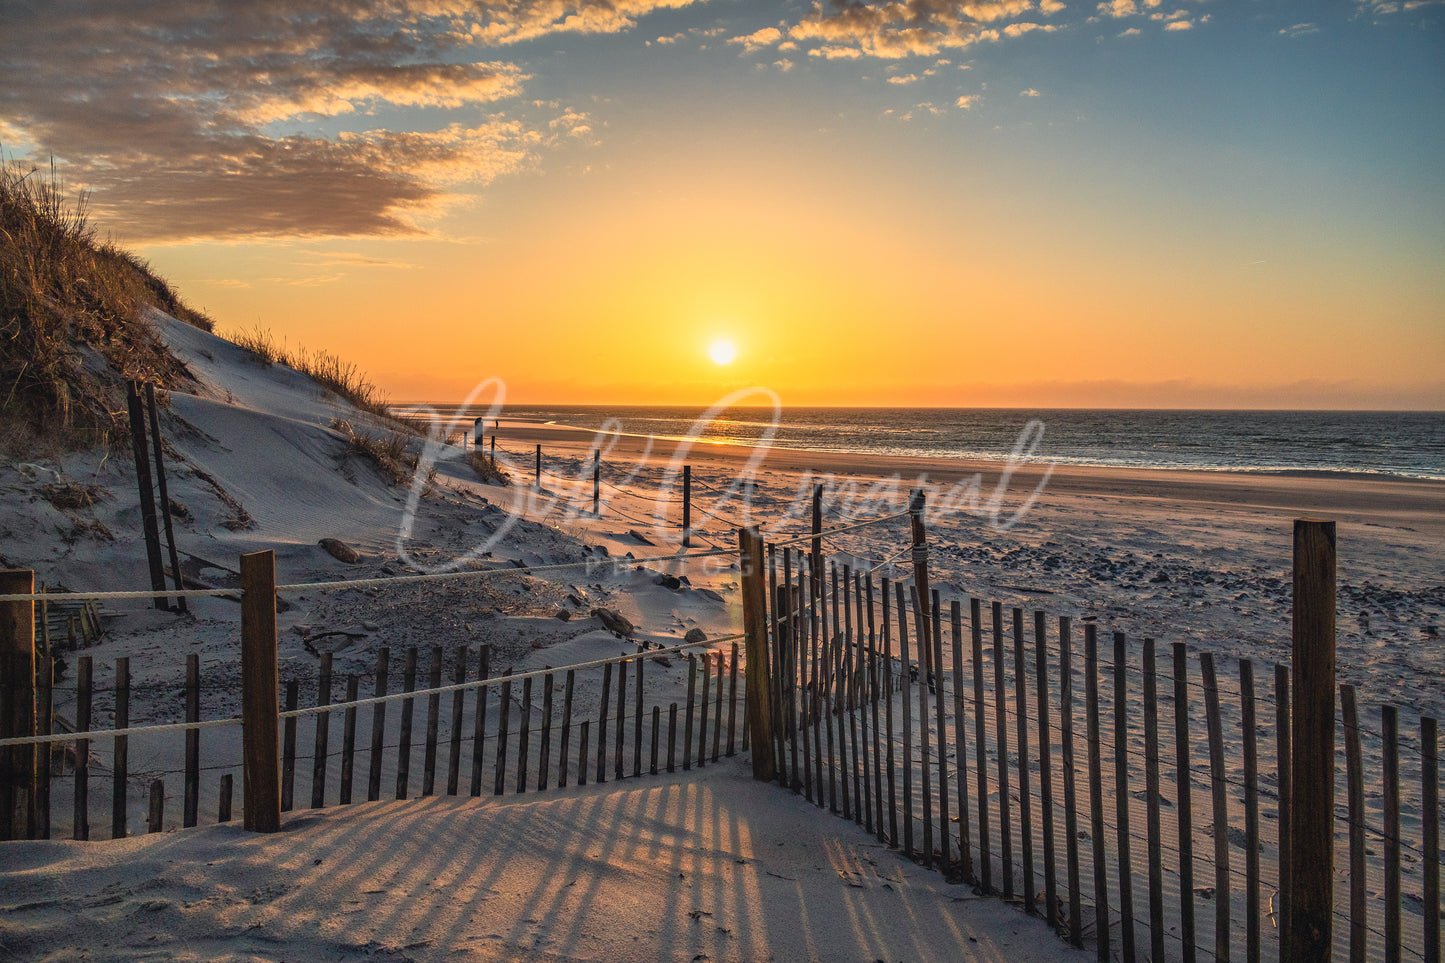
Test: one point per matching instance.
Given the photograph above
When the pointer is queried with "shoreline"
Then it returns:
(1369, 497)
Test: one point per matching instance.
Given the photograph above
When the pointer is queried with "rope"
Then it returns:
(838, 531)
(111, 733)
(481, 683)
(373, 700)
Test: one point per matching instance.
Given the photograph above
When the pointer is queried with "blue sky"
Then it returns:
(1240, 201)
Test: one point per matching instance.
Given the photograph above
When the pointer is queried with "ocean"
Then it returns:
(1402, 444)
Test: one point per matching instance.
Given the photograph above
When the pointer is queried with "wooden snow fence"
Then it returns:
(1146, 803)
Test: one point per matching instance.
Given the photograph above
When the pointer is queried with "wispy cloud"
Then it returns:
(758, 39)
(173, 114)
(892, 30)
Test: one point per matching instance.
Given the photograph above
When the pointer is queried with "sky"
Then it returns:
(1136, 203)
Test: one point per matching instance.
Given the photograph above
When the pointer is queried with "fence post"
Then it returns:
(920, 577)
(755, 626)
(145, 491)
(1312, 732)
(17, 663)
(596, 479)
(686, 506)
(539, 468)
(260, 701)
(164, 493)
(476, 435)
(816, 563)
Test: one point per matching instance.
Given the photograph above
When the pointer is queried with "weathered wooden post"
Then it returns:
(477, 430)
(816, 565)
(17, 663)
(920, 578)
(260, 701)
(539, 467)
(755, 626)
(596, 479)
(686, 506)
(1312, 736)
(147, 495)
(163, 491)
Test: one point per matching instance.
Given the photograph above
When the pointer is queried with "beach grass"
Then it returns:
(67, 297)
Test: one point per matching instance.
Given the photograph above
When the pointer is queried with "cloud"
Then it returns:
(1118, 9)
(894, 29)
(1031, 92)
(784, 64)
(1019, 29)
(1050, 7)
(188, 124)
(1299, 30)
(1132, 32)
(904, 79)
(758, 39)
(1179, 25)
(967, 101)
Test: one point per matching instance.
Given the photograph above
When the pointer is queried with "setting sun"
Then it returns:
(722, 352)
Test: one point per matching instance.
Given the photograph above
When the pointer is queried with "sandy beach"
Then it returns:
(259, 462)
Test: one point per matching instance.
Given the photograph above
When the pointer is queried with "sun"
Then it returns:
(722, 352)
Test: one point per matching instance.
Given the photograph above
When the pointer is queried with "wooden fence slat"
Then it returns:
(403, 747)
(840, 697)
(156, 817)
(524, 734)
(288, 747)
(619, 743)
(602, 719)
(191, 803)
(944, 822)
(717, 709)
(348, 736)
(1123, 844)
(960, 741)
(732, 697)
(433, 723)
(44, 712)
(504, 714)
(1021, 723)
(888, 722)
(223, 805)
(378, 726)
(568, 687)
(1046, 769)
(671, 737)
(1390, 747)
(1355, 795)
(850, 675)
(873, 724)
(322, 746)
(920, 635)
(815, 679)
(1096, 790)
(544, 758)
(702, 664)
(1284, 786)
(656, 725)
(1430, 841)
(1000, 712)
(861, 645)
(1154, 829)
(84, 689)
(120, 766)
(980, 749)
(479, 720)
(638, 708)
(1251, 811)
(1220, 808)
(454, 757)
(1184, 802)
(906, 669)
(687, 719)
(583, 759)
(1071, 825)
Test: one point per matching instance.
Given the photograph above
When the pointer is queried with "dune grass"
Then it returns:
(72, 324)
(342, 378)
